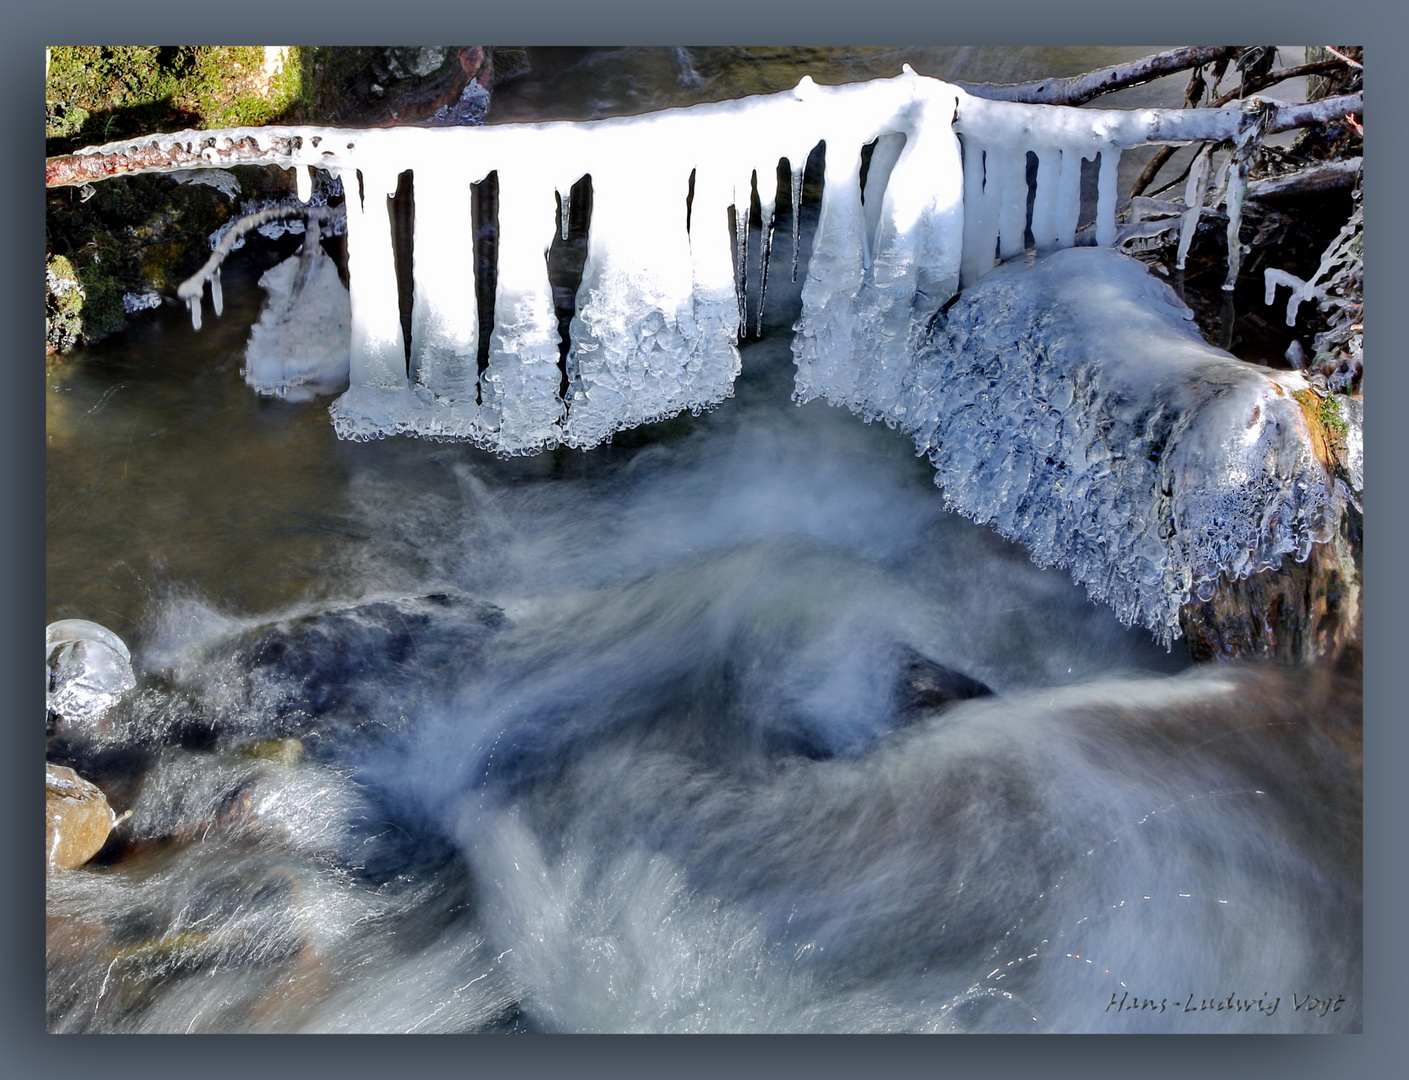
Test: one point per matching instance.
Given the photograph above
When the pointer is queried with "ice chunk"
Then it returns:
(299, 346)
(88, 669)
(1074, 407)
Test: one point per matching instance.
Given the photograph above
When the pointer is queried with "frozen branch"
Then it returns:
(190, 290)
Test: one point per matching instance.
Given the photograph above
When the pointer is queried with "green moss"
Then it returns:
(1331, 415)
(82, 302)
(63, 304)
(96, 94)
(230, 88)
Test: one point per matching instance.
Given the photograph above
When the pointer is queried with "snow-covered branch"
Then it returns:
(1217, 125)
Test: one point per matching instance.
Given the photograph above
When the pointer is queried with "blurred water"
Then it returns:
(648, 752)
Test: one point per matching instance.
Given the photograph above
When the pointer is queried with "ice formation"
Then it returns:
(299, 346)
(87, 670)
(1082, 416)
(666, 291)
(1074, 407)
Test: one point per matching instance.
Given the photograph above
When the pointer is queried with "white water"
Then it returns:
(674, 788)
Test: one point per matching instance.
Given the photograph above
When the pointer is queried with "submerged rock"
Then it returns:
(77, 818)
(371, 662)
(926, 685)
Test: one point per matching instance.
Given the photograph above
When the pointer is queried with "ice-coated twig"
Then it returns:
(1336, 253)
(190, 289)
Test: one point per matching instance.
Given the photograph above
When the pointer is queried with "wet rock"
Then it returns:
(925, 685)
(89, 670)
(77, 818)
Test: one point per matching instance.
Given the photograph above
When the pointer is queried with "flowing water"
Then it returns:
(691, 732)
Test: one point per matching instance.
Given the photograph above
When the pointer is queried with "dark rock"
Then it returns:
(925, 685)
(363, 662)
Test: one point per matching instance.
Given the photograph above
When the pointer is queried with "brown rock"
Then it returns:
(77, 818)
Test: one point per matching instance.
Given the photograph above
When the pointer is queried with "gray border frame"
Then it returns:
(1371, 22)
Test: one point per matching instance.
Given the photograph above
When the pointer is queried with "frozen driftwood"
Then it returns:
(1073, 406)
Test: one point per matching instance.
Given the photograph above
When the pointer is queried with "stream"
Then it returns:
(727, 725)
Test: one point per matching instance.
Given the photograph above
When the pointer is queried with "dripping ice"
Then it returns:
(658, 315)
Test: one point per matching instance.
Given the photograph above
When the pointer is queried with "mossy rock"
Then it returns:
(95, 94)
(83, 303)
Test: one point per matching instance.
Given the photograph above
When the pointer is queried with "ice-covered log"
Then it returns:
(1073, 406)
(657, 318)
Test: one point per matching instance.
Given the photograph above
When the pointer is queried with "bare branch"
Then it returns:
(1079, 89)
(1217, 125)
(1281, 75)
(1147, 176)
(1316, 180)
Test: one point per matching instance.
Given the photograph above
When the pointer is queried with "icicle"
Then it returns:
(657, 311)
(1106, 196)
(310, 253)
(217, 294)
(769, 220)
(1237, 188)
(1044, 205)
(194, 304)
(1255, 114)
(797, 215)
(522, 383)
(1195, 192)
(303, 177)
(1011, 173)
(980, 218)
(444, 314)
(1068, 211)
(565, 196)
(884, 154)
(377, 402)
(741, 249)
